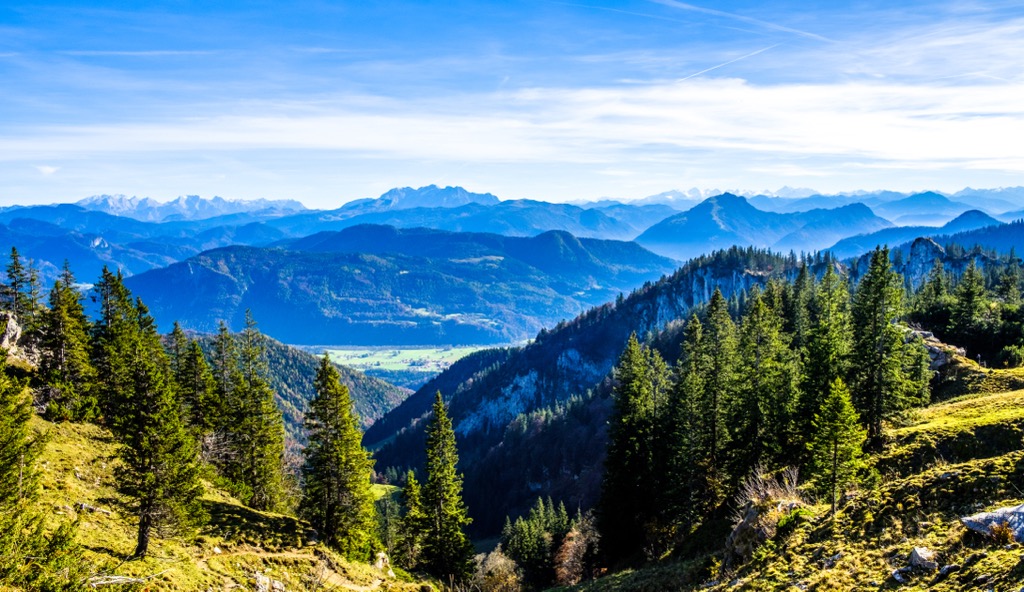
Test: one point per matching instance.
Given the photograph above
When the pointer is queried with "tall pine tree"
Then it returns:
(835, 444)
(447, 552)
(64, 364)
(337, 499)
(255, 432)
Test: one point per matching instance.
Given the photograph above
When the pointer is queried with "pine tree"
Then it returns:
(628, 510)
(256, 430)
(828, 346)
(197, 391)
(1009, 281)
(413, 524)
(118, 317)
(14, 293)
(160, 460)
(882, 385)
(64, 363)
(447, 552)
(967, 315)
(32, 555)
(686, 490)
(762, 410)
(836, 444)
(337, 498)
(719, 347)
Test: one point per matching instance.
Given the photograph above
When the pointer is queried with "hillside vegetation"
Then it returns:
(233, 550)
(952, 459)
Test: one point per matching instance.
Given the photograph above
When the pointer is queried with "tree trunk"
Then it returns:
(145, 525)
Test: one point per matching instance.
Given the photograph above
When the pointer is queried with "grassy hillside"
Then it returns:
(230, 552)
(953, 459)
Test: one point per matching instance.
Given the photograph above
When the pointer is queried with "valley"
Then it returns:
(405, 367)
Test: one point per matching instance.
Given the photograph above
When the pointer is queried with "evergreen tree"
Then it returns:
(719, 347)
(882, 385)
(337, 498)
(14, 292)
(447, 552)
(197, 390)
(1009, 281)
(256, 429)
(32, 556)
(413, 524)
(111, 336)
(828, 346)
(762, 410)
(968, 311)
(64, 364)
(177, 347)
(628, 510)
(797, 308)
(160, 462)
(836, 444)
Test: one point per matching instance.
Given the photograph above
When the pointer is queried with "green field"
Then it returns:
(409, 367)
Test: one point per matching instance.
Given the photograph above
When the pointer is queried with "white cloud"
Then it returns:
(47, 170)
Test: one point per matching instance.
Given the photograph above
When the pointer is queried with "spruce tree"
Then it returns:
(337, 499)
(686, 488)
(719, 347)
(762, 410)
(447, 552)
(197, 391)
(413, 524)
(64, 364)
(883, 385)
(159, 469)
(256, 430)
(968, 311)
(14, 293)
(33, 556)
(836, 444)
(628, 510)
(1009, 280)
(828, 346)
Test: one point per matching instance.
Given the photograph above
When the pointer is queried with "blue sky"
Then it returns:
(331, 101)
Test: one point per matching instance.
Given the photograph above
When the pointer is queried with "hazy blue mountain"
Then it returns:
(728, 219)
(639, 216)
(48, 246)
(190, 207)
(431, 196)
(924, 209)
(512, 218)
(401, 287)
(857, 245)
(1002, 199)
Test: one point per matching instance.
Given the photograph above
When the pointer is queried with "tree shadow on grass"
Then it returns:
(240, 524)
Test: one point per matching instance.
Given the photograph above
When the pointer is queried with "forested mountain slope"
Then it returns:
(469, 289)
(525, 417)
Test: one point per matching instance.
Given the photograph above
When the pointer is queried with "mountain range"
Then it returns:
(376, 285)
(190, 207)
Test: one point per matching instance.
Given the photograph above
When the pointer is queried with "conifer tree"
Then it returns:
(628, 511)
(800, 295)
(686, 490)
(197, 390)
(969, 303)
(160, 461)
(64, 363)
(256, 430)
(762, 410)
(413, 524)
(828, 346)
(14, 292)
(1009, 280)
(447, 552)
(836, 444)
(719, 346)
(337, 498)
(32, 555)
(882, 385)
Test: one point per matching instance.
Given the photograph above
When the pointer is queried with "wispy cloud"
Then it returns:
(741, 18)
(46, 169)
(722, 65)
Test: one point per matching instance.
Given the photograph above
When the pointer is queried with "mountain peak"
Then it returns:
(431, 196)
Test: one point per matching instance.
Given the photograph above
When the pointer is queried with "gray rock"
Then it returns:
(923, 558)
(1012, 516)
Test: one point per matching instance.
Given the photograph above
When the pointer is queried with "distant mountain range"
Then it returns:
(375, 285)
(190, 207)
(727, 219)
(856, 245)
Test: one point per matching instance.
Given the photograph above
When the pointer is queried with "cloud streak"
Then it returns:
(742, 19)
